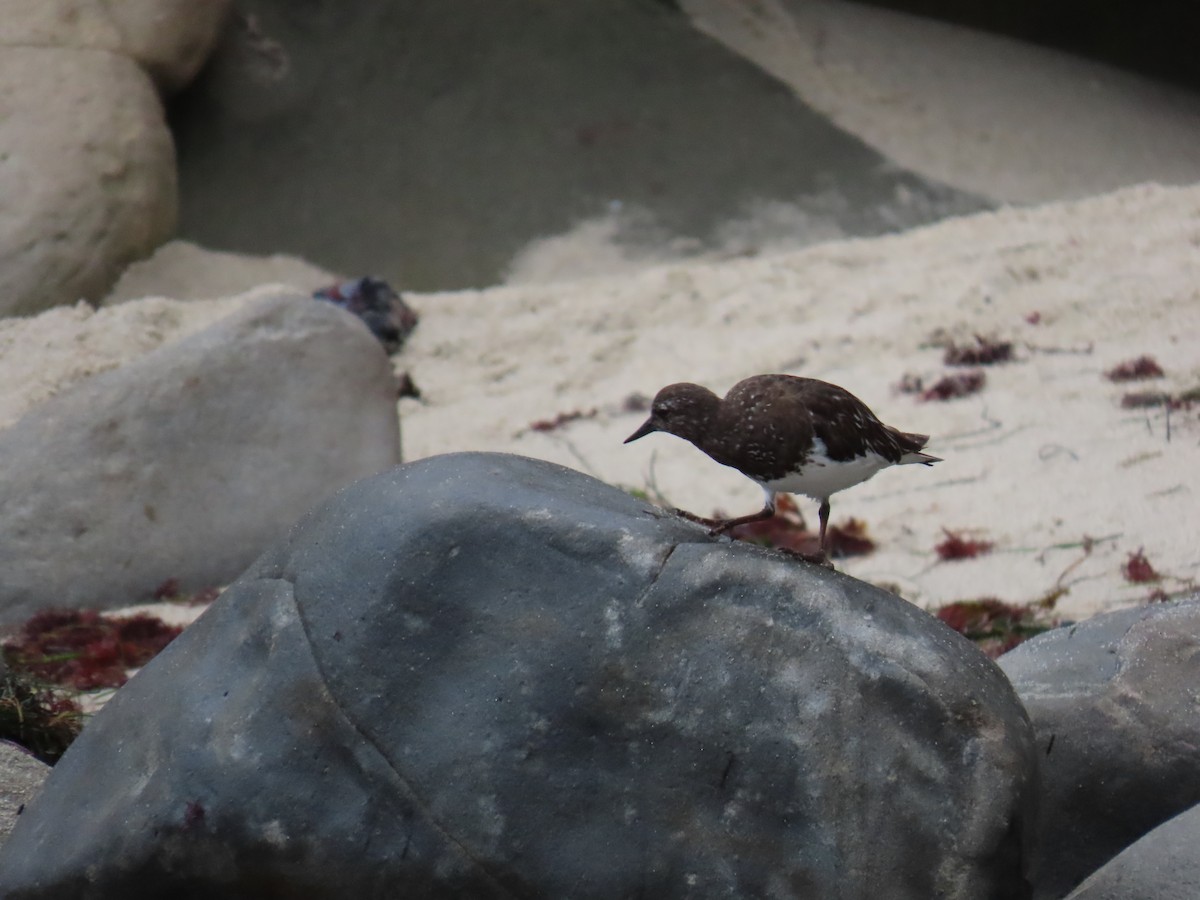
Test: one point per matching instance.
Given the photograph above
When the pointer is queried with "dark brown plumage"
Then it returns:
(788, 434)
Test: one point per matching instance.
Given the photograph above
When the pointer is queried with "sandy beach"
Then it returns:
(1044, 462)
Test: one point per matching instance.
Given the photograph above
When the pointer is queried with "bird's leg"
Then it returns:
(692, 517)
(823, 514)
(720, 526)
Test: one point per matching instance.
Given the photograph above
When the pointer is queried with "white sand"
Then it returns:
(1042, 459)
(44, 354)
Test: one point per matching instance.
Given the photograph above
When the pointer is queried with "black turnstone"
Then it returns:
(789, 434)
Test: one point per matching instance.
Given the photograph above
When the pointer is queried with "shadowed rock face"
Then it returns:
(1162, 865)
(1113, 705)
(479, 128)
(487, 676)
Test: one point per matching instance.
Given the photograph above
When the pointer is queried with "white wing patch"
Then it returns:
(822, 476)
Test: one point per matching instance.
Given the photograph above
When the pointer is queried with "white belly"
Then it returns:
(822, 477)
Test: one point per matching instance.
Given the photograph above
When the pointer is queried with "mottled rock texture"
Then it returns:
(20, 778)
(482, 675)
(1114, 703)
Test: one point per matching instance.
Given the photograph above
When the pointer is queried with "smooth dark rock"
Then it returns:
(481, 675)
(1113, 702)
(1163, 865)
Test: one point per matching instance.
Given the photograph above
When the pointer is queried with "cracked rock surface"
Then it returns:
(482, 675)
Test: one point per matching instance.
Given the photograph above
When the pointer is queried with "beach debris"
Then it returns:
(1135, 370)
(956, 546)
(950, 387)
(984, 352)
(635, 402)
(380, 307)
(563, 418)
(1155, 399)
(994, 625)
(1137, 568)
(84, 650)
(406, 387)
(910, 383)
(38, 718)
(787, 530)
(848, 539)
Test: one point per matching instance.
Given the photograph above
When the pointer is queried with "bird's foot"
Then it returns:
(713, 525)
(817, 559)
(720, 526)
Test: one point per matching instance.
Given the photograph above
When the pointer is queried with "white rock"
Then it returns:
(170, 38)
(186, 461)
(186, 271)
(87, 174)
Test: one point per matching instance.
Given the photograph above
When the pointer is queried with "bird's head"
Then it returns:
(684, 410)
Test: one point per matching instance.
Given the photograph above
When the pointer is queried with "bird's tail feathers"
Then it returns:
(924, 459)
(912, 445)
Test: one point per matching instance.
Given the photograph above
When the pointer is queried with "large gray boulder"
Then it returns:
(1163, 865)
(1113, 702)
(480, 675)
(188, 461)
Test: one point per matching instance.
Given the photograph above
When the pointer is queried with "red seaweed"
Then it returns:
(84, 650)
(984, 352)
(1145, 400)
(995, 626)
(37, 718)
(168, 590)
(1155, 399)
(1137, 568)
(788, 530)
(955, 546)
(1135, 370)
(848, 539)
(949, 387)
(563, 418)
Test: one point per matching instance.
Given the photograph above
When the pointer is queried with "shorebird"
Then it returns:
(788, 434)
